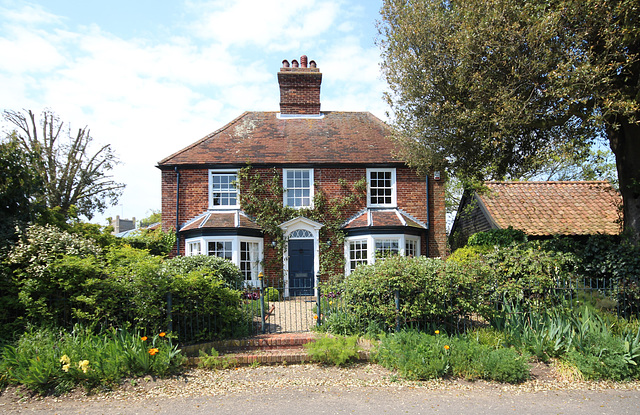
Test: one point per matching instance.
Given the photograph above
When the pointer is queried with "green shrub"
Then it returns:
(55, 361)
(504, 365)
(343, 323)
(603, 357)
(210, 296)
(56, 272)
(214, 266)
(497, 237)
(137, 288)
(156, 241)
(215, 361)
(418, 355)
(271, 294)
(428, 289)
(337, 351)
(468, 254)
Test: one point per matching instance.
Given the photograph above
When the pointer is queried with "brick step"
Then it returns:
(260, 343)
(265, 349)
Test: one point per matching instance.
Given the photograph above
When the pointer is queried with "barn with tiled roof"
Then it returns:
(541, 209)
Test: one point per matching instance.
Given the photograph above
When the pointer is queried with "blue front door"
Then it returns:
(301, 267)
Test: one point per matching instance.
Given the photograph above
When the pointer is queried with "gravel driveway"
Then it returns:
(308, 388)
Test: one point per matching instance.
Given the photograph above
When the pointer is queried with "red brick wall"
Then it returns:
(299, 90)
(438, 220)
(411, 189)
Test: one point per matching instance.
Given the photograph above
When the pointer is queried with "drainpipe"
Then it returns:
(428, 218)
(178, 210)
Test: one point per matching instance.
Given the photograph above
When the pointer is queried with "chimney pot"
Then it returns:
(312, 64)
(300, 88)
(285, 63)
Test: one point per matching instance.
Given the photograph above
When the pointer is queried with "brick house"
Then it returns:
(308, 156)
(539, 209)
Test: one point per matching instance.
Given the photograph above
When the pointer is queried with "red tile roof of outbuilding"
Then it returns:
(554, 208)
(265, 138)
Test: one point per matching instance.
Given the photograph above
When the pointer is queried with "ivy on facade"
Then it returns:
(262, 198)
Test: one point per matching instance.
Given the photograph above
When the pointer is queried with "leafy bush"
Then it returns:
(49, 264)
(156, 241)
(199, 291)
(418, 355)
(415, 355)
(497, 237)
(215, 361)
(606, 260)
(337, 351)
(55, 361)
(504, 365)
(137, 289)
(271, 294)
(429, 290)
(214, 266)
(604, 357)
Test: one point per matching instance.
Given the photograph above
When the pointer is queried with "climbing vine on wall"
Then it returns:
(261, 197)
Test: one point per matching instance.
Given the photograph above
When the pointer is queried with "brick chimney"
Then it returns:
(299, 87)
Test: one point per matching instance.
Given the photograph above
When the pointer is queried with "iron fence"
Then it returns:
(273, 307)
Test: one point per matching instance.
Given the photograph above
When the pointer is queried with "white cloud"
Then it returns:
(273, 24)
(149, 98)
(29, 15)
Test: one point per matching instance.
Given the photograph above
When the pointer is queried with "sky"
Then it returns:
(151, 77)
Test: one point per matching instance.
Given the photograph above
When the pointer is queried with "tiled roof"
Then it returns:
(136, 231)
(554, 208)
(382, 218)
(266, 138)
(221, 219)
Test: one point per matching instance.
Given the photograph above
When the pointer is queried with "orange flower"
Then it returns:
(162, 334)
(153, 351)
(437, 331)
(446, 347)
(143, 338)
(315, 316)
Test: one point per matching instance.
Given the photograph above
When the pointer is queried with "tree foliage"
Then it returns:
(72, 174)
(19, 190)
(494, 89)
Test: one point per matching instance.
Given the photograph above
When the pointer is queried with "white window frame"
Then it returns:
(213, 172)
(253, 262)
(222, 241)
(416, 243)
(371, 246)
(194, 248)
(235, 250)
(286, 188)
(357, 261)
(394, 199)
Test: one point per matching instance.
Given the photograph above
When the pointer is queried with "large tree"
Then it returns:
(20, 190)
(73, 174)
(494, 89)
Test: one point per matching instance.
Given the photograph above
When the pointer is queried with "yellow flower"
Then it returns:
(162, 334)
(437, 331)
(143, 338)
(65, 368)
(153, 351)
(83, 365)
(446, 347)
(65, 359)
